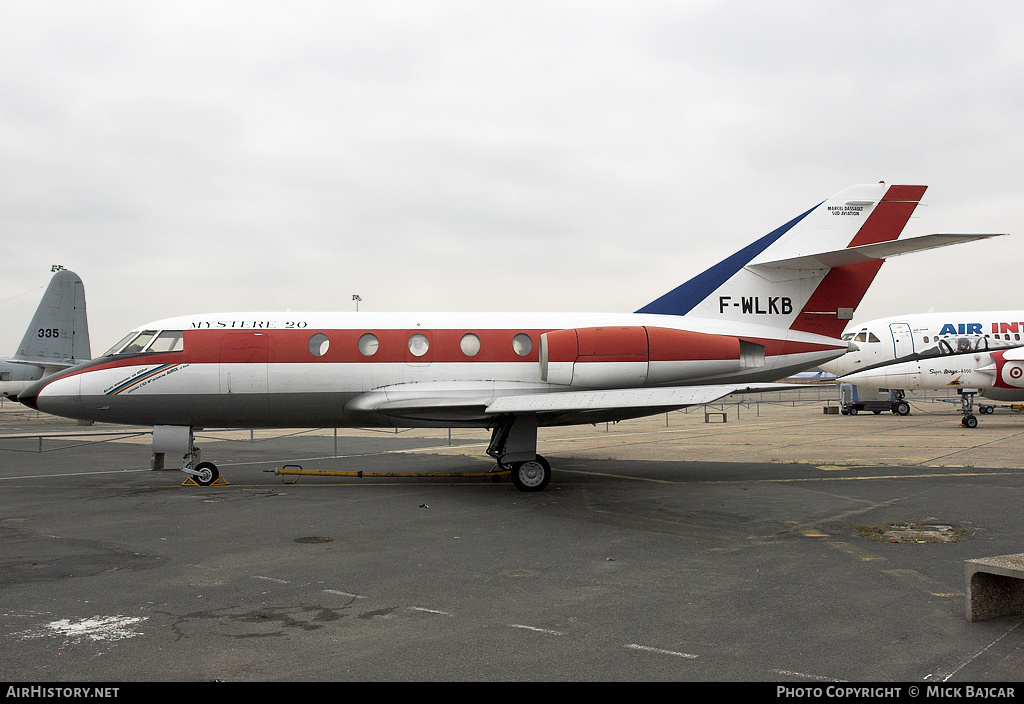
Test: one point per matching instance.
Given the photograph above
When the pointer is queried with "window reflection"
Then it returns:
(418, 345)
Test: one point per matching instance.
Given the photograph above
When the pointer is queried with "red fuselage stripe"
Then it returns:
(293, 347)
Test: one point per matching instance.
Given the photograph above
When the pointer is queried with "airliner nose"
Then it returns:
(29, 395)
(59, 395)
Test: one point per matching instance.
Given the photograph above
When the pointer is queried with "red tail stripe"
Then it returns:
(890, 216)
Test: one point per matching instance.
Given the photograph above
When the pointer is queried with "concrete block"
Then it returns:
(994, 587)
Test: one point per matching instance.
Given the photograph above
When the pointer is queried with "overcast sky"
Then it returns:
(188, 157)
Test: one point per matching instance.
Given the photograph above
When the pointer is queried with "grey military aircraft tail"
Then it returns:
(57, 337)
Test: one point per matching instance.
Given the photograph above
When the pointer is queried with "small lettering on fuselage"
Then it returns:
(948, 372)
(754, 305)
(248, 324)
(854, 210)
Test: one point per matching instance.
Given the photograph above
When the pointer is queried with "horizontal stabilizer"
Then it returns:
(869, 252)
(49, 366)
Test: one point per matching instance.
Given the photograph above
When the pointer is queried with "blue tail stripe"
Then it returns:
(682, 299)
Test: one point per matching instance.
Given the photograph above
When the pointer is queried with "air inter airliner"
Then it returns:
(772, 309)
(975, 353)
(899, 338)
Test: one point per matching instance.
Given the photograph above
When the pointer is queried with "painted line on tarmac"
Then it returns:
(548, 631)
(660, 651)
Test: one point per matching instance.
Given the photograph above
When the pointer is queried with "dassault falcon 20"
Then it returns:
(772, 309)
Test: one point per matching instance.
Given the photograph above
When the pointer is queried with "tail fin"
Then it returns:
(59, 333)
(808, 275)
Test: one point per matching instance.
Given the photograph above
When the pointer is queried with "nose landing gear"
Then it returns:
(178, 440)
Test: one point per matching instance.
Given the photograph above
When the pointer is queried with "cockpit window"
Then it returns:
(861, 337)
(148, 341)
(168, 341)
(139, 343)
(848, 336)
(872, 338)
(120, 343)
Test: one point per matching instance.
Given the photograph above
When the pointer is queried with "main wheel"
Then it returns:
(208, 474)
(532, 475)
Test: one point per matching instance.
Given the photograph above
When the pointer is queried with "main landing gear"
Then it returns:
(514, 447)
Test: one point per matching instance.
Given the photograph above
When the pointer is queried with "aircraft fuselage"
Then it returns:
(362, 369)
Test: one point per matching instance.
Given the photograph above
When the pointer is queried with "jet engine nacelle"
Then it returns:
(610, 357)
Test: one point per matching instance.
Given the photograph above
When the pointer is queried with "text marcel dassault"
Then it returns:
(838, 692)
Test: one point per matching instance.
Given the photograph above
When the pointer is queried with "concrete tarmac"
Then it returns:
(673, 548)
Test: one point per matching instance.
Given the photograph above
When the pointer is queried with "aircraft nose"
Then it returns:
(30, 395)
(57, 395)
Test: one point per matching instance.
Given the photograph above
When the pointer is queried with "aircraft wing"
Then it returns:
(608, 400)
(867, 252)
(554, 408)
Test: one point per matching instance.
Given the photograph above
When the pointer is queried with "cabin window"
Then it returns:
(470, 344)
(168, 341)
(522, 344)
(926, 339)
(319, 344)
(418, 345)
(368, 344)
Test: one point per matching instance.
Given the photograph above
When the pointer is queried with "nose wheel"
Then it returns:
(206, 473)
